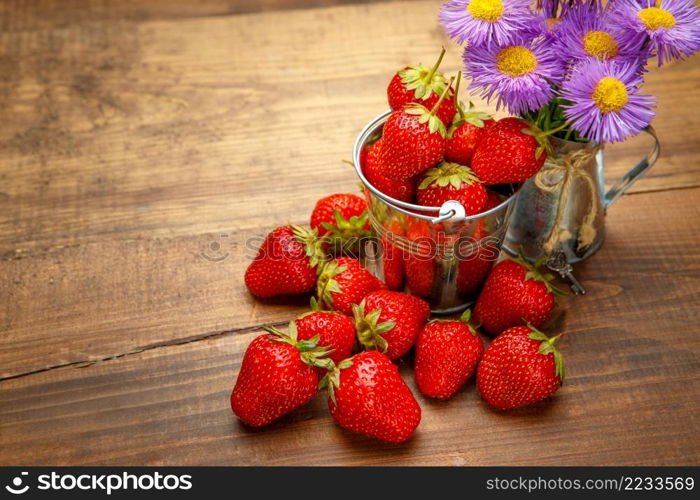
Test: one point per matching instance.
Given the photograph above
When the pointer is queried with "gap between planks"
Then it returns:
(168, 343)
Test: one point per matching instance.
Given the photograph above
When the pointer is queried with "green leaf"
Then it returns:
(346, 363)
(385, 327)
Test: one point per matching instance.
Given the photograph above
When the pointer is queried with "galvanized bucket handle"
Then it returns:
(452, 210)
(623, 183)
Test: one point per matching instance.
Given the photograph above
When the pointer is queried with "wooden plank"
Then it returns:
(631, 397)
(20, 15)
(138, 129)
(129, 147)
(95, 301)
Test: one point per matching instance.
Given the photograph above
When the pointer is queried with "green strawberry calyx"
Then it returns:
(346, 233)
(327, 285)
(547, 347)
(534, 272)
(331, 380)
(313, 245)
(423, 80)
(310, 352)
(464, 318)
(315, 307)
(369, 329)
(435, 124)
(472, 116)
(544, 146)
(449, 174)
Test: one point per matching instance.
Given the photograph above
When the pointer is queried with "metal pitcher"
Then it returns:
(562, 208)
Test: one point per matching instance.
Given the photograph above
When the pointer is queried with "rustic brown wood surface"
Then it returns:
(139, 136)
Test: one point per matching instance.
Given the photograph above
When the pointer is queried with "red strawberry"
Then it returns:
(509, 152)
(515, 291)
(465, 134)
(414, 140)
(493, 199)
(335, 330)
(367, 395)
(419, 261)
(422, 85)
(392, 257)
(277, 375)
(344, 282)
(519, 368)
(450, 181)
(472, 272)
(341, 218)
(390, 321)
(477, 251)
(447, 353)
(374, 172)
(286, 262)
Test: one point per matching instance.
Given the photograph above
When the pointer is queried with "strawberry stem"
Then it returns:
(435, 67)
(462, 116)
(442, 96)
(554, 130)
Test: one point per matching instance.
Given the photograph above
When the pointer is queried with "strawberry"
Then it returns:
(451, 181)
(476, 257)
(465, 134)
(419, 260)
(392, 257)
(493, 199)
(519, 368)
(422, 85)
(277, 375)
(344, 282)
(335, 330)
(509, 152)
(413, 140)
(472, 272)
(341, 218)
(367, 395)
(515, 291)
(286, 262)
(402, 190)
(390, 321)
(447, 353)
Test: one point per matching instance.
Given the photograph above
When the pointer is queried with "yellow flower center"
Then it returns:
(516, 61)
(610, 94)
(486, 10)
(656, 17)
(600, 44)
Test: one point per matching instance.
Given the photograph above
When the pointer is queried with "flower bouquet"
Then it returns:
(574, 71)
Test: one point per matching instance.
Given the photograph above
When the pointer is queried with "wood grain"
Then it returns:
(130, 146)
(139, 137)
(633, 360)
(140, 129)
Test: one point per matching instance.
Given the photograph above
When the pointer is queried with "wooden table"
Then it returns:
(138, 136)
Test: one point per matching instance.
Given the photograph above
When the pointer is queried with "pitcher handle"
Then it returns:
(624, 182)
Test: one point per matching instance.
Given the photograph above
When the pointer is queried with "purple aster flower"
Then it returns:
(584, 32)
(520, 73)
(673, 26)
(605, 102)
(479, 22)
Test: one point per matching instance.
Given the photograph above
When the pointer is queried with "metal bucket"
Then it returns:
(444, 256)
